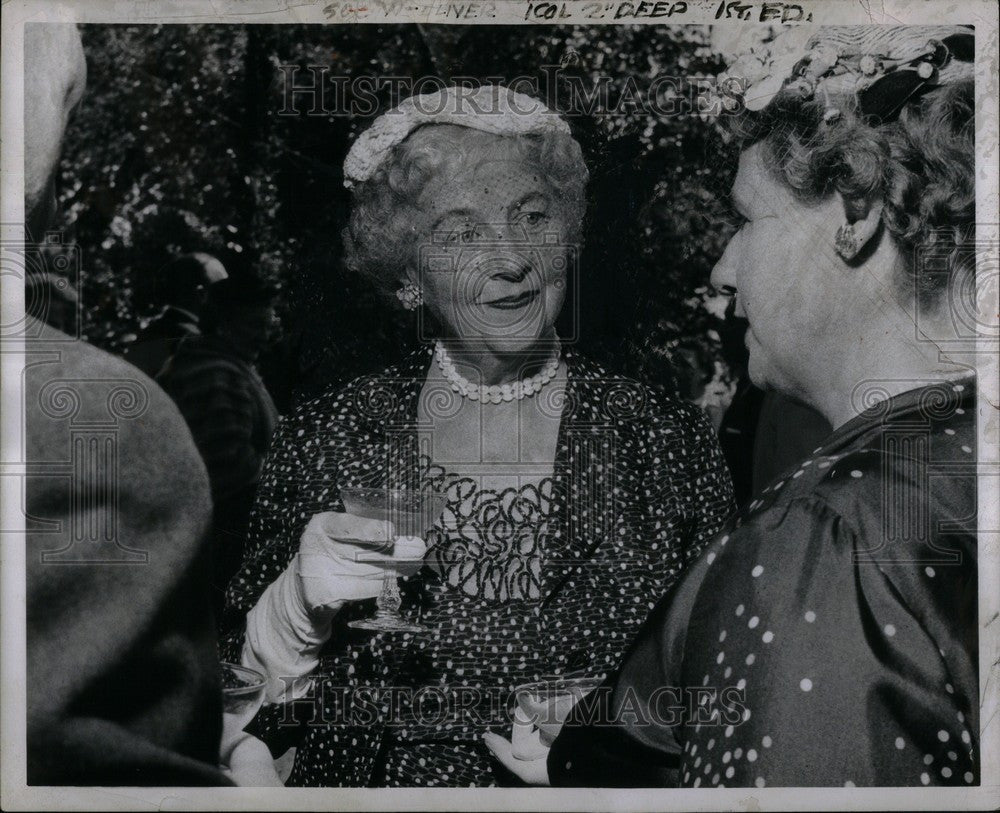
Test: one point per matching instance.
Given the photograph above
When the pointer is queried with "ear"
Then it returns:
(862, 220)
(409, 275)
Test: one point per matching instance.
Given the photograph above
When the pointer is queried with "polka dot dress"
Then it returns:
(549, 578)
(828, 638)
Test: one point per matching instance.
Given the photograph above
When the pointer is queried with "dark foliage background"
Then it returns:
(178, 146)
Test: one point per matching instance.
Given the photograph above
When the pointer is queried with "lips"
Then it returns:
(513, 301)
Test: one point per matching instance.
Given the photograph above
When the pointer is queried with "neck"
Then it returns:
(488, 366)
(879, 360)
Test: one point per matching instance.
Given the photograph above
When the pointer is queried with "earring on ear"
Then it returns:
(846, 242)
(852, 237)
(411, 296)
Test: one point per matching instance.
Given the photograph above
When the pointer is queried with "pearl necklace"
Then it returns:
(496, 393)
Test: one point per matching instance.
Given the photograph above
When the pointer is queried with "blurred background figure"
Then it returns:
(182, 287)
(52, 299)
(214, 381)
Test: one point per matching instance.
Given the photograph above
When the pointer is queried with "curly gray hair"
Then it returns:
(381, 235)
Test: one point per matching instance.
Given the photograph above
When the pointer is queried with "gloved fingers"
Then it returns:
(530, 771)
(526, 741)
(358, 530)
(405, 549)
(321, 565)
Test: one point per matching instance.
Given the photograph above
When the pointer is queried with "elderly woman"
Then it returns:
(829, 638)
(573, 498)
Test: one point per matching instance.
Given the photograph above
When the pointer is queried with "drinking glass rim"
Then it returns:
(363, 492)
(255, 680)
(553, 685)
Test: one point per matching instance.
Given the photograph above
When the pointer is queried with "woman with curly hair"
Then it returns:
(573, 498)
(829, 636)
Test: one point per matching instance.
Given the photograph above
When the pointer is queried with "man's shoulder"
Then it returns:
(72, 386)
(203, 357)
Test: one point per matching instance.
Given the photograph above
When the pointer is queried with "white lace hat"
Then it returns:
(489, 108)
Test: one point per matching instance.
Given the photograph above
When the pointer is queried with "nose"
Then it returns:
(724, 274)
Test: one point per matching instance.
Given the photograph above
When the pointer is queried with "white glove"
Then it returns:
(533, 769)
(536, 725)
(337, 561)
(246, 761)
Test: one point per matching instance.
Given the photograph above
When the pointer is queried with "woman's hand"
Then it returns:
(532, 771)
(536, 725)
(247, 761)
(343, 557)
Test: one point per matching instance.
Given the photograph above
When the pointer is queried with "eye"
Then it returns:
(463, 234)
(532, 220)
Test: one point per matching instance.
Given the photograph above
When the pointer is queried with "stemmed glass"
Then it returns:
(412, 513)
(242, 696)
(541, 709)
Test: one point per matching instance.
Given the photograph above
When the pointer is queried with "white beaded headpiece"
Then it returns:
(490, 108)
(882, 66)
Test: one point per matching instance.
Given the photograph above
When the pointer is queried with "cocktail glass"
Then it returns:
(412, 513)
(242, 696)
(541, 709)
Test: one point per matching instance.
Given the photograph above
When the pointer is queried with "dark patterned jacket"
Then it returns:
(829, 638)
(639, 487)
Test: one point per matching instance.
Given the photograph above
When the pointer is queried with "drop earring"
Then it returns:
(852, 237)
(846, 242)
(410, 296)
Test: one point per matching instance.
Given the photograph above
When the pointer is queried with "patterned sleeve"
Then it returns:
(276, 522)
(690, 485)
(891, 699)
(284, 504)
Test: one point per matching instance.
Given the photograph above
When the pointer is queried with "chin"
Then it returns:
(502, 334)
(758, 374)
(510, 344)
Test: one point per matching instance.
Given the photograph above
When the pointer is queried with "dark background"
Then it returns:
(178, 146)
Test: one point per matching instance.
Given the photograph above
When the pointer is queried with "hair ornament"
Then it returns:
(881, 66)
(490, 108)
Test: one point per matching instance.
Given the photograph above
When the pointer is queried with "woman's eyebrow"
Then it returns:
(452, 213)
(525, 198)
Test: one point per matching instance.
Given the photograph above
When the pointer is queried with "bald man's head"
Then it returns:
(55, 73)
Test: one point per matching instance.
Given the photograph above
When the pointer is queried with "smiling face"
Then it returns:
(788, 280)
(493, 254)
